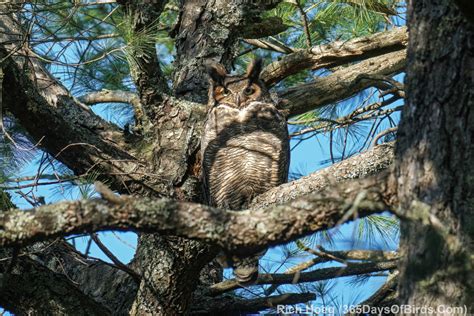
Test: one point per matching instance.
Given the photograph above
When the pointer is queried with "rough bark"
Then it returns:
(435, 159)
(238, 232)
(207, 29)
(343, 83)
(312, 276)
(335, 54)
(371, 162)
(43, 292)
(232, 305)
(160, 162)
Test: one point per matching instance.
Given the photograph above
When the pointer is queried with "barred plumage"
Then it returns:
(245, 148)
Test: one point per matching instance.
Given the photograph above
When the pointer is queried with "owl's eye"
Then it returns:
(249, 91)
(222, 91)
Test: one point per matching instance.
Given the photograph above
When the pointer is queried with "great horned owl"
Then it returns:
(245, 147)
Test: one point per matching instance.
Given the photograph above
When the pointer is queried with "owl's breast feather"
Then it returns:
(254, 113)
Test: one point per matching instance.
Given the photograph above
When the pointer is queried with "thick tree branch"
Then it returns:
(313, 276)
(370, 162)
(42, 291)
(68, 130)
(106, 285)
(226, 304)
(335, 54)
(342, 84)
(108, 96)
(238, 232)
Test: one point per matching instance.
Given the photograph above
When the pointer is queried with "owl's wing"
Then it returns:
(206, 165)
(284, 161)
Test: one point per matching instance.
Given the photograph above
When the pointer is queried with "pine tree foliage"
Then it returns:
(92, 47)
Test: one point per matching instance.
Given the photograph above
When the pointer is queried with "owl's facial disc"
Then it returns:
(237, 93)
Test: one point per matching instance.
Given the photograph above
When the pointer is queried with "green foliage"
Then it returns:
(95, 47)
(139, 44)
(333, 19)
(377, 230)
(5, 201)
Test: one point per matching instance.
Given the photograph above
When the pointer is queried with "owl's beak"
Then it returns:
(237, 100)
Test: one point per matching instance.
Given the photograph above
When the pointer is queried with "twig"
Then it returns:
(304, 19)
(345, 121)
(115, 260)
(107, 194)
(382, 134)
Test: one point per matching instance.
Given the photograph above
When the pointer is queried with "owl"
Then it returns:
(244, 146)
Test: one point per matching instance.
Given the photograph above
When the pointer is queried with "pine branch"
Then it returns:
(327, 125)
(343, 83)
(370, 162)
(335, 54)
(362, 255)
(56, 293)
(234, 231)
(225, 304)
(313, 276)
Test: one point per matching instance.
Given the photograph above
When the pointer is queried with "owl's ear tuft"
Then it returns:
(254, 69)
(217, 72)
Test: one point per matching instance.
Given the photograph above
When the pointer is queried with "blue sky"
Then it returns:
(309, 156)
(305, 158)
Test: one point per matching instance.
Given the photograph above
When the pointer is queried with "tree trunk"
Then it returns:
(206, 30)
(435, 159)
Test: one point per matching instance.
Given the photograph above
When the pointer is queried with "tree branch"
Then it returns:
(68, 129)
(341, 84)
(41, 291)
(370, 162)
(106, 96)
(166, 216)
(345, 256)
(313, 276)
(107, 285)
(136, 277)
(269, 44)
(384, 293)
(335, 54)
(225, 304)
(239, 232)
